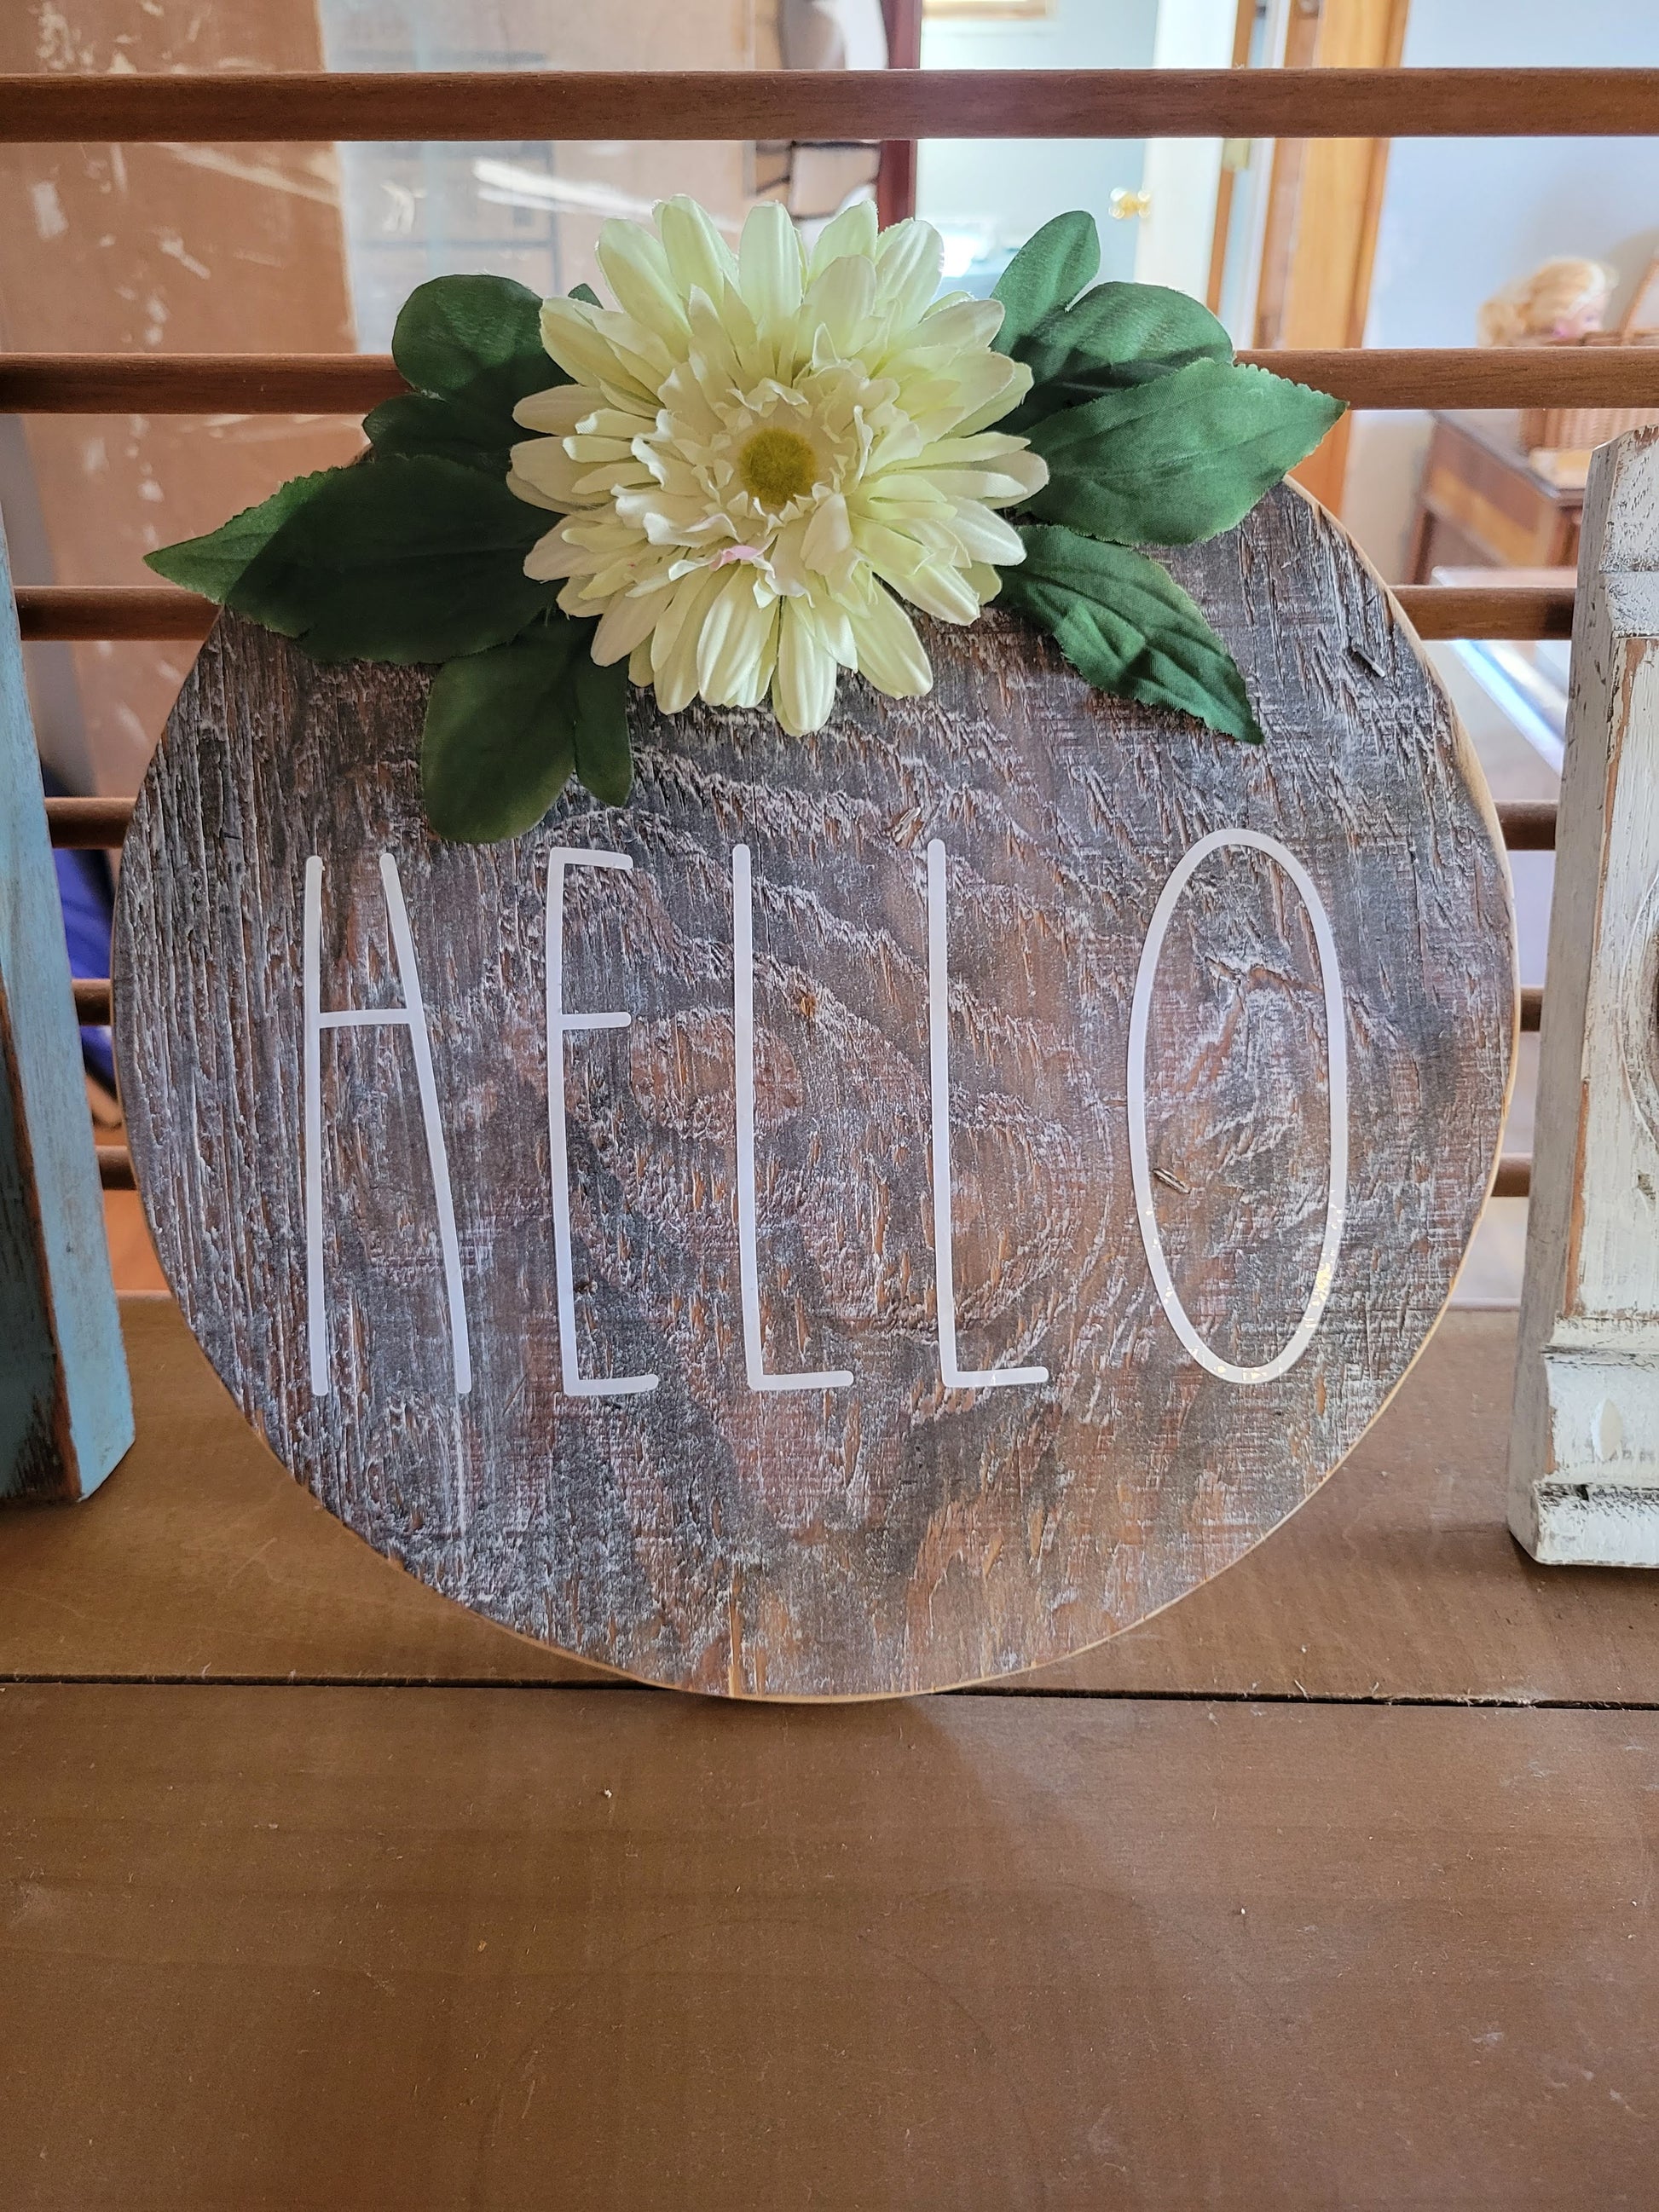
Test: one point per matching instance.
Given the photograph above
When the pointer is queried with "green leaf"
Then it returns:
(472, 347)
(498, 746)
(1173, 461)
(1116, 336)
(415, 422)
(604, 761)
(1126, 625)
(212, 564)
(1049, 271)
(409, 558)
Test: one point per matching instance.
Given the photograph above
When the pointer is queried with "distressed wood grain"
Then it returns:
(1584, 1448)
(896, 1535)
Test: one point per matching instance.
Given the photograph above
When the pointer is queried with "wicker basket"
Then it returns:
(1573, 429)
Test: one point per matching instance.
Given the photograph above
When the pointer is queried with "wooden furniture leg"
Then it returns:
(1584, 1453)
(65, 1408)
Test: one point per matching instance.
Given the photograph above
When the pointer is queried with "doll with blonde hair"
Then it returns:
(1564, 299)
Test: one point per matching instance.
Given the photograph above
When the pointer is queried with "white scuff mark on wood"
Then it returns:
(55, 42)
(266, 174)
(175, 249)
(49, 221)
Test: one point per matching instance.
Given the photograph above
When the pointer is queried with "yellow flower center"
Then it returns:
(777, 466)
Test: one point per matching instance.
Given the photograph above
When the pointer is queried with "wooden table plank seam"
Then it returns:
(1255, 1700)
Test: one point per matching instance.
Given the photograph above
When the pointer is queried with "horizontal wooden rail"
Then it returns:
(1527, 829)
(1465, 611)
(85, 822)
(130, 611)
(350, 384)
(106, 610)
(91, 1003)
(1513, 1179)
(833, 104)
(115, 1168)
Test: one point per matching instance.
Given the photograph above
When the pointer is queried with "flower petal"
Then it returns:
(889, 652)
(544, 474)
(557, 412)
(984, 536)
(908, 262)
(625, 623)
(569, 334)
(636, 268)
(732, 640)
(803, 687)
(853, 231)
(770, 264)
(553, 556)
(699, 259)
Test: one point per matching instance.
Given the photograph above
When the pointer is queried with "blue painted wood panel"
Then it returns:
(65, 1406)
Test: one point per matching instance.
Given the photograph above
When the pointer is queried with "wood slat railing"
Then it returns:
(85, 823)
(1382, 377)
(1528, 611)
(95, 821)
(93, 1005)
(833, 104)
(85, 611)
(1513, 1179)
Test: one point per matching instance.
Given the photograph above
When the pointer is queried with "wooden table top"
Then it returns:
(1329, 1887)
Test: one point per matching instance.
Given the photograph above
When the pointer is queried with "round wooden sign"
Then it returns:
(881, 1209)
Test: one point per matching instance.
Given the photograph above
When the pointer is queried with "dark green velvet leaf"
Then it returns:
(212, 564)
(1126, 627)
(1116, 335)
(1175, 460)
(409, 558)
(498, 744)
(1049, 271)
(604, 761)
(472, 347)
(416, 422)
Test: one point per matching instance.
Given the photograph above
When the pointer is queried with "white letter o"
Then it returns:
(1336, 1032)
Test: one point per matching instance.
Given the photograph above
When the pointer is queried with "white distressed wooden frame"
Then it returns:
(1584, 1449)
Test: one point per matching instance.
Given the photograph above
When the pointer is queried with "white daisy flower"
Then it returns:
(760, 451)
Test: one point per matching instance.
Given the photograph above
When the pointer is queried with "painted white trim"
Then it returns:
(560, 1025)
(956, 1377)
(411, 1015)
(1337, 1049)
(743, 1028)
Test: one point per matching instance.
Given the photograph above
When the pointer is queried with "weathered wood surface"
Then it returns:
(206, 1562)
(288, 1950)
(894, 1535)
(65, 1409)
(1584, 1457)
